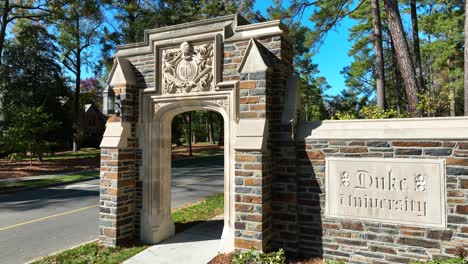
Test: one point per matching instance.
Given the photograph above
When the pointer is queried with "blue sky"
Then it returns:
(333, 54)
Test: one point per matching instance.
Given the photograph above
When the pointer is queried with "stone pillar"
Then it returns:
(252, 168)
(118, 157)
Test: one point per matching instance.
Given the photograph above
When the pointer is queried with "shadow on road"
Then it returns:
(35, 199)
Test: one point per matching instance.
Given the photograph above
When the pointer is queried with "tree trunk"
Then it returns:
(76, 98)
(396, 79)
(403, 56)
(211, 136)
(466, 59)
(220, 136)
(76, 102)
(417, 52)
(452, 102)
(379, 61)
(189, 133)
(3, 27)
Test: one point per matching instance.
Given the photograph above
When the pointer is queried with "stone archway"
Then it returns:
(224, 64)
(156, 222)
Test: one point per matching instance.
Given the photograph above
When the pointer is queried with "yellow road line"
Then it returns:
(81, 209)
(48, 217)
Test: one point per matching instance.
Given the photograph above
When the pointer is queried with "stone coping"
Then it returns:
(403, 128)
(232, 27)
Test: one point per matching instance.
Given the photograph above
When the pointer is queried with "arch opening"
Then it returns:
(159, 195)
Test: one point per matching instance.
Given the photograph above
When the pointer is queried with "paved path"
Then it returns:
(39, 222)
(196, 245)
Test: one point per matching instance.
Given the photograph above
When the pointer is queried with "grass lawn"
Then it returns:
(7, 186)
(81, 154)
(92, 253)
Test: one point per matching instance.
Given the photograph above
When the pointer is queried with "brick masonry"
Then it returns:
(118, 179)
(254, 170)
(372, 242)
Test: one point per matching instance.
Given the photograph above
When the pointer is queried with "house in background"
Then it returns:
(93, 124)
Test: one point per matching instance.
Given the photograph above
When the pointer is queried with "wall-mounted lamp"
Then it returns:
(108, 101)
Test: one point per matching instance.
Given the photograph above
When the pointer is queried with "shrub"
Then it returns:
(28, 133)
(253, 257)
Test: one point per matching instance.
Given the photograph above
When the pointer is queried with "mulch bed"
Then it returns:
(222, 259)
(17, 169)
(227, 259)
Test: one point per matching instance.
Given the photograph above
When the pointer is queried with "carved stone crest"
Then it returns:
(187, 69)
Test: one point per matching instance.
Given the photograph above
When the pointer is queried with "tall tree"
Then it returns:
(11, 10)
(466, 60)
(312, 86)
(403, 55)
(77, 25)
(379, 59)
(33, 78)
(416, 44)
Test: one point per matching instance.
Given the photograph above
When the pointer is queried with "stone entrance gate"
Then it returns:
(225, 65)
(366, 191)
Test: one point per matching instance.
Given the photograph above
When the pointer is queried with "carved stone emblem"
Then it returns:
(187, 69)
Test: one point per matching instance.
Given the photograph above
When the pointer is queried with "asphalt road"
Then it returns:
(40, 222)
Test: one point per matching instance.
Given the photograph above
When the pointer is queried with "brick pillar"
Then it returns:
(252, 201)
(118, 173)
(116, 196)
(252, 168)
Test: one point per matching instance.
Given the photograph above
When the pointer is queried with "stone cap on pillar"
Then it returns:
(116, 135)
(251, 134)
(121, 73)
(254, 58)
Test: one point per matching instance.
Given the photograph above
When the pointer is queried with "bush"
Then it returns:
(369, 112)
(28, 133)
(253, 257)
(444, 261)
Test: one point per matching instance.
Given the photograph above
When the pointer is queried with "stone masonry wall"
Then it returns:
(371, 242)
(117, 179)
(261, 95)
(143, 68)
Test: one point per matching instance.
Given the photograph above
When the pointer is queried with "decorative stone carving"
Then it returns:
(156, 106)
(187, 69)
(224, 104)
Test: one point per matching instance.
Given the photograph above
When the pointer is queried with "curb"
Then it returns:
(45, 186)
(60, 251)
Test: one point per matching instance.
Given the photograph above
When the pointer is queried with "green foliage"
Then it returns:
(444, 261)
(93, 253)
(434, 103)
(252, 256)
(200, 126)
(312, 86)
(329, 261)
(203, 211)
(32, 78)
(344, 116)
(375, 112)
(28, 132)
(369, 112)
(346, 104)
